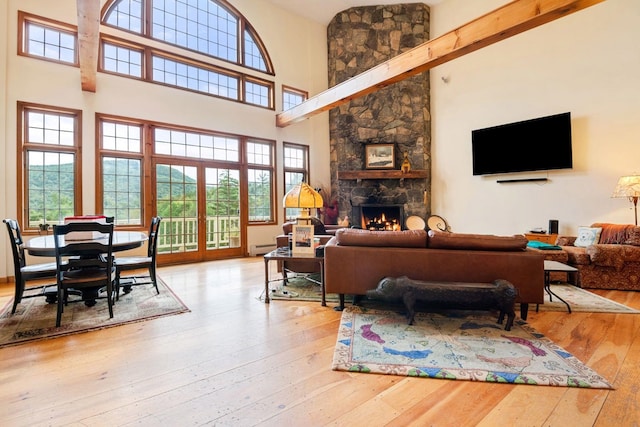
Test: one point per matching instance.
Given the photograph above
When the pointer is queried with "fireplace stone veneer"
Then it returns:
(359, 39)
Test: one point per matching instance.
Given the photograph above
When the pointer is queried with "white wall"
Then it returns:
(587, 63)
(297, 48)
(6, 260)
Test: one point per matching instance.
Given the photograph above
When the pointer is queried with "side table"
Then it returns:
(555, 266)
(542, 237)
(285, 254)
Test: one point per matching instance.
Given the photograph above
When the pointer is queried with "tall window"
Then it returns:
(50, 155)
(292, 97)
(48, 40)
(203, 26)
(296, 170)
(209, 27)
(260, 180)
(126, 14)
(121, 167)
(121, 59)
(187, 76)
(253, 55)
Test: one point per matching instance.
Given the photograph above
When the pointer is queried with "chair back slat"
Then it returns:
(17, 244)
(84, 264)
(153, 236)
(74, 254)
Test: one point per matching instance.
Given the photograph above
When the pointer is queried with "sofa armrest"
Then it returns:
(331, 229)
(565, 240)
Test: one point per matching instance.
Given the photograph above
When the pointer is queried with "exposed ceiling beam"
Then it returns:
(502, 23)
(88, 40)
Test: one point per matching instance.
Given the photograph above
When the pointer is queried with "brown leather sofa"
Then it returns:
(356, 260)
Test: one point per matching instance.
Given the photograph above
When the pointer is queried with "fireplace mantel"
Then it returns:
(382, 174)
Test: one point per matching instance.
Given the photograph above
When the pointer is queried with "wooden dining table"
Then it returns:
(44, 246)
(122, 241)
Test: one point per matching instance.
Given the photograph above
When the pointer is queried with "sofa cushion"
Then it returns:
(607, 255)
(577, 255)
(397, 239)
(483, 242)
(587, 236)
(613, 255)
(550, 255)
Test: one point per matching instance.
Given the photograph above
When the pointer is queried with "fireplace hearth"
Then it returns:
(379, 217)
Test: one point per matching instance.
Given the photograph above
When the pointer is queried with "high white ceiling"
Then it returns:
(323, 11)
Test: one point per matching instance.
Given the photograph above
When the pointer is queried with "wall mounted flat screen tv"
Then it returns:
(532, 145)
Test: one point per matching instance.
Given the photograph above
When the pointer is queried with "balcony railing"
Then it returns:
(181, 234)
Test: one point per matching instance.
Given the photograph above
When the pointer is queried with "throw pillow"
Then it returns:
(587, 236)
(613, 233)
(634, 237)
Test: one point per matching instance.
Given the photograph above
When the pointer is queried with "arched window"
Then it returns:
(210, 27)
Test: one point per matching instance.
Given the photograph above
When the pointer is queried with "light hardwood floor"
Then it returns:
(235, 361)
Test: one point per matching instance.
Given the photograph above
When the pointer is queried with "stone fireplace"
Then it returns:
(359, 39)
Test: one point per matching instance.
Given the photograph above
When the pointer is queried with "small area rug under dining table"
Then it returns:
(35, 319)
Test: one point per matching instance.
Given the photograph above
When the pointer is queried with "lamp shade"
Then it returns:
(302, 196)
(628, 186)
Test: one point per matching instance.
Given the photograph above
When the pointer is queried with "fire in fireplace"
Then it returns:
(379, 217)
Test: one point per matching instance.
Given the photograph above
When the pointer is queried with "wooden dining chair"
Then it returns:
(84, 265)
(140, 262)
(24, 273)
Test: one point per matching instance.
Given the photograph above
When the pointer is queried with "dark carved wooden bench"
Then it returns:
(500, 295)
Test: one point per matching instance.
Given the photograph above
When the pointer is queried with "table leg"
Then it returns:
(547, 288)
(324, 298)
(266, 281)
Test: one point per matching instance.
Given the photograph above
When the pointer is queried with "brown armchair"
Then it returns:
(298, 267)
(321, 231)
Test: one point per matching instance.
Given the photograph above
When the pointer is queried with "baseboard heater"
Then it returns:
(255, 250)
(507, 181)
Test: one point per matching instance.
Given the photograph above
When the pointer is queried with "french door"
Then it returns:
(200, 206)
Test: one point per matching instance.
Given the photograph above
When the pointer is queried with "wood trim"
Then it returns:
(25, 18)
(511, 19)
(23, 145)
(382, 174)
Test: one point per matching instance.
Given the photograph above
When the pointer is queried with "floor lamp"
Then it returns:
(629, 187)
(303, 196)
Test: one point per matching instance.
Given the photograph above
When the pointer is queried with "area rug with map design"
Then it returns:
(455, 345)
(35, 319)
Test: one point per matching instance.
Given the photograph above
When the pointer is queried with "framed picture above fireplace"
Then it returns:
(380, 156)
